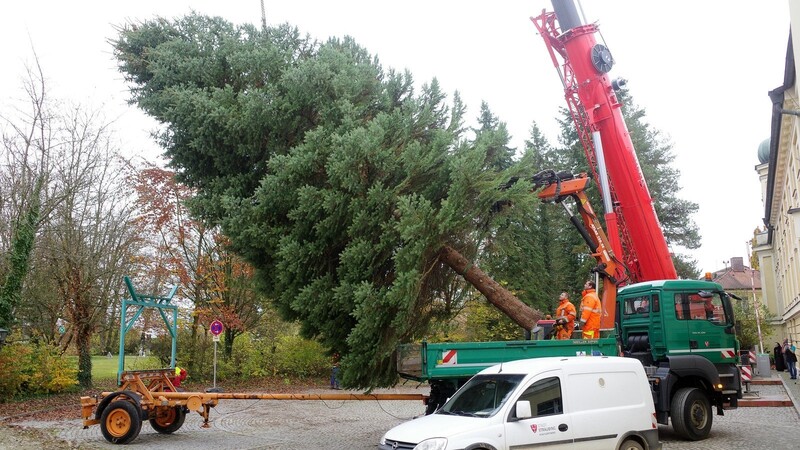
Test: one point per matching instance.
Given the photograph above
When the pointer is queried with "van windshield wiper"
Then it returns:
(463, 413)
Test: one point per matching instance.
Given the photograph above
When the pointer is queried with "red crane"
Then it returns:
(583, 64)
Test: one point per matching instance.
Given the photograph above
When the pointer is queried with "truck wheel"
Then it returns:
(168, 419)
(120, 422)
(631, 444)
(690, 413)
(440, 392)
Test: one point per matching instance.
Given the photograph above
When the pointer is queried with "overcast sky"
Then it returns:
(701, 69)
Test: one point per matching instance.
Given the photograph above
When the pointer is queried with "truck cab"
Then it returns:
(683, 333)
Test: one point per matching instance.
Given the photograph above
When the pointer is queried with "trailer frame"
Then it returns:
(150, 395)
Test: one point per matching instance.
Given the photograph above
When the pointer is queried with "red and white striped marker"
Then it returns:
(747, 374)
(449, 357)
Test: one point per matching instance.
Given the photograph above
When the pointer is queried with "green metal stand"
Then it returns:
(146, 301)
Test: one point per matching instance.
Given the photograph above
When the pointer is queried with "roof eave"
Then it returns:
(777, 97)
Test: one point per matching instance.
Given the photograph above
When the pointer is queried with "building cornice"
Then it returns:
(778, 129)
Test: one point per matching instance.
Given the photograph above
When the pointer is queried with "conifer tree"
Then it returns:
(360, 201)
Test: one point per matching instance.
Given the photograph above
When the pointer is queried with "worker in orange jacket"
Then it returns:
(591, 308)
(565, 317)
(180, 375)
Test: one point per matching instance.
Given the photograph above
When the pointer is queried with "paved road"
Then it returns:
(263, 424)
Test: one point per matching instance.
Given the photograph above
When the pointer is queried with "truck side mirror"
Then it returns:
(523, 410)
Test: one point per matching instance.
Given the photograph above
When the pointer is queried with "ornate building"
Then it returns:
(777, 246)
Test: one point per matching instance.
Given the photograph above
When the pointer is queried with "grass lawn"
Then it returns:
(105, 368)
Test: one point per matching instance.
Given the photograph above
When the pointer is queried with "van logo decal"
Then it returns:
(706, 343)
(533, 427)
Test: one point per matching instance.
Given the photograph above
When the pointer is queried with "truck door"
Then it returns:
(706, 322)
(549, 427)
(641, 324)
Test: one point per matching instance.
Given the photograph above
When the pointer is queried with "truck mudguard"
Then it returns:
(693, 365)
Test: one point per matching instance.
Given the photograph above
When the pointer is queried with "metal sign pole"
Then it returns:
(216, 329)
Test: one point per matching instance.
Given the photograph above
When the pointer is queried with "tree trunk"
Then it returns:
(82, 341)
(192, 356)
(230, 336)
(497, 295)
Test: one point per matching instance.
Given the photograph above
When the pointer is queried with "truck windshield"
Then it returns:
(482, 396)
(707, 306)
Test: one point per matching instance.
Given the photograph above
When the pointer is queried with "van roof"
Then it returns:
(572, 363)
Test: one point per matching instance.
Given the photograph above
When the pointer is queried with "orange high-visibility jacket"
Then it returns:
(567, 310)
(590, 314)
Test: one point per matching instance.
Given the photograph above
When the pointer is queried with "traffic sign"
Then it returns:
(216, 328)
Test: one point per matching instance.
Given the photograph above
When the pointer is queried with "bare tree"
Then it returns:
(61, 177)
(91, 238)
(24, 197)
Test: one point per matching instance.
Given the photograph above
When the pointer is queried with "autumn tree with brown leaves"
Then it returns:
(216, 281)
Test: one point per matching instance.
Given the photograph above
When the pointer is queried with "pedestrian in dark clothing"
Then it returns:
(335, 372)
(780, 364)
(791, 359)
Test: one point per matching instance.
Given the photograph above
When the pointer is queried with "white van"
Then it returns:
(584, 402)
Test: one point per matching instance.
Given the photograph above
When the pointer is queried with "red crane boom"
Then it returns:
(583, 66)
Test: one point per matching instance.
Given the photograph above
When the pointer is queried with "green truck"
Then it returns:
(682, 331)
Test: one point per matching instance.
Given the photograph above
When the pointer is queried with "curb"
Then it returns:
(765, 402)
(791, 397)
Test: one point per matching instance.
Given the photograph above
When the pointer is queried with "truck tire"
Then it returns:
(440, 392)
(120, 422)
(690, 413)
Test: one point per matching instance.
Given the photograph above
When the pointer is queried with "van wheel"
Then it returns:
(691, 414)
(631, 444)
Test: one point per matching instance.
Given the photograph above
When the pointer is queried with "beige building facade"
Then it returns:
(777, 247)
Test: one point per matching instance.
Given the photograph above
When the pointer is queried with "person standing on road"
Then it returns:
(777, 355)
(590, 312)
(790, 358)
(335, 372)
(565, 317)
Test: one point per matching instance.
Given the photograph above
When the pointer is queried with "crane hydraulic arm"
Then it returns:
(557, 188)
(583, 66)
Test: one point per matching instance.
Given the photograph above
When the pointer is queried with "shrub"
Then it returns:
(14, 359)
(34, 369)
(287, 355)
(161, 348)
(300, 357)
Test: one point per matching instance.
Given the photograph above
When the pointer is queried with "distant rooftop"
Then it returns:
(737, 276)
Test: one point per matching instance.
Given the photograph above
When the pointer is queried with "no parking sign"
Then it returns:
(216, 329)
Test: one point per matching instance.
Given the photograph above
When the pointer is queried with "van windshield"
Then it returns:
(482, 396)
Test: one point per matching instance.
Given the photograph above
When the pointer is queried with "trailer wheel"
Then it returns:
(120, 422)
(168, 419)
(690, 412)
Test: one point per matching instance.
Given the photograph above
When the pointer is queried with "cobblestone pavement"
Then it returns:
(269, 424)
(792, 388)
(265, 424)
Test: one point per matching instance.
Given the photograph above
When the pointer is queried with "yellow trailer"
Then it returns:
(150, 395)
